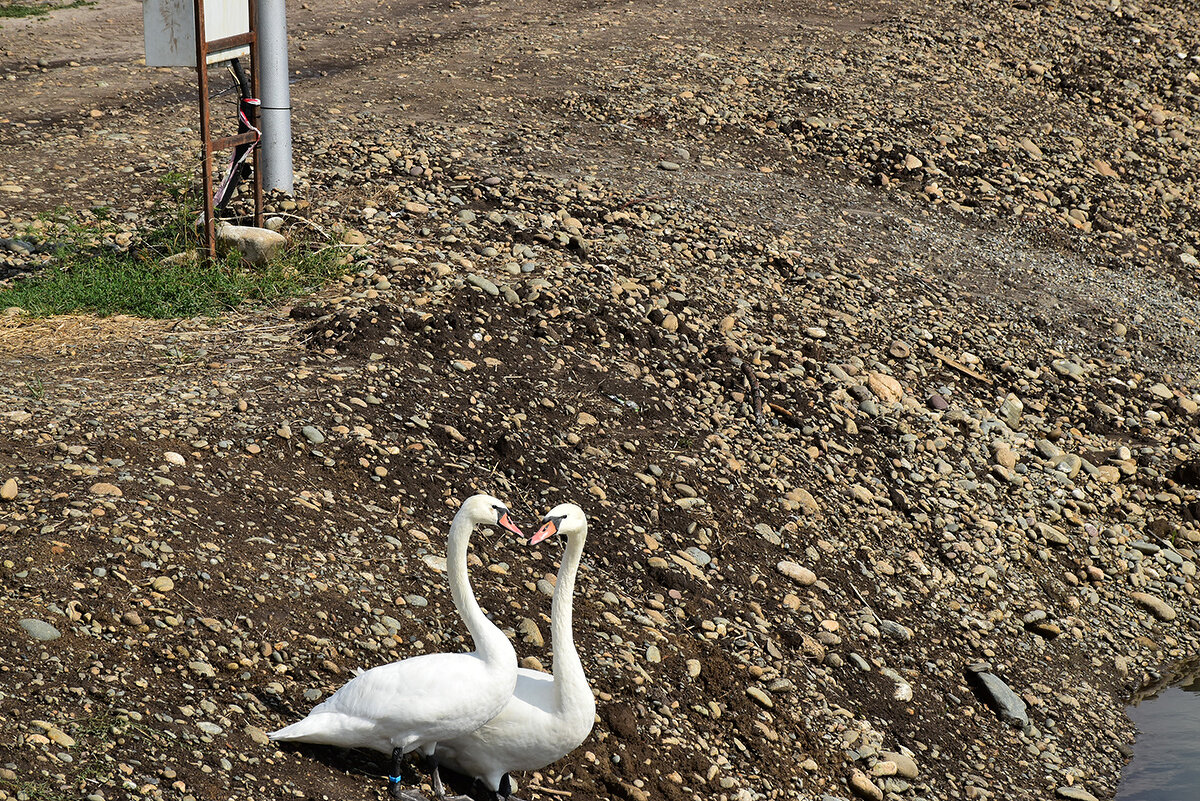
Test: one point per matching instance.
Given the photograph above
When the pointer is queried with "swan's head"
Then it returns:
(566, 519)
(484, 510)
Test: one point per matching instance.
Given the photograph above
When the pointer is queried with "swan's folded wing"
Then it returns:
(423, 699)
(535, 688)
(423, 690)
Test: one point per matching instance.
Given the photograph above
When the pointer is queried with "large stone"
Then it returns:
(1069, 464)
(1011, 411)
(483, 283)
(906, 766)
(861, 494)
(1053, 536)
(886, 388)
(1001, 698)
(802, 499)
(256, 245)
(1004, 455)
(39, 629)
(60, 737)
(1048, 449)
(9, 491)
(530, 632)
(257, 735)
(185, 258)
(1068, 369)
(863, 787)
(202, 669)
(1157, 606)
(797, 573)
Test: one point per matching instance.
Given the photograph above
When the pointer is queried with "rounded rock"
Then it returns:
(797, 573)
(39, 629)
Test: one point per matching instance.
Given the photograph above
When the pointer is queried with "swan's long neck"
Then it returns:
(489, 640)
(570, 682)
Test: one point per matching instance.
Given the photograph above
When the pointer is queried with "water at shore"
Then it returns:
(1166, 756)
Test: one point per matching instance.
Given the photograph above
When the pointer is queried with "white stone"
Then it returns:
(257, 245)
(185, 257)
(797, 573)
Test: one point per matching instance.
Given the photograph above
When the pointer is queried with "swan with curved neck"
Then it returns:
(413, 704)
(548, 716)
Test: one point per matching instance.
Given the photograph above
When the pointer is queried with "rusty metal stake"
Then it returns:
(207, 145)
(254, 88)
(210, 230)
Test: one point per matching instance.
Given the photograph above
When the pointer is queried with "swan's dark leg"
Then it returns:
(481, 792)
(505, 791)
(428, 763)
(394, 780)
(425, 762)
(478, 791)
(394, 776)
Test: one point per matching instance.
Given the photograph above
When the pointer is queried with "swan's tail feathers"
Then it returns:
(296, 731)
(320, 727)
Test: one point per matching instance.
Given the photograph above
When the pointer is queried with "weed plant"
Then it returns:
(91, 274)
(37, 8)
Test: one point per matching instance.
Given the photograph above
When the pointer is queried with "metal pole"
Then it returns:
(276, 97)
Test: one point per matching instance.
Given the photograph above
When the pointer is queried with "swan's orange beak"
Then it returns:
(507, 523)
(548, 529)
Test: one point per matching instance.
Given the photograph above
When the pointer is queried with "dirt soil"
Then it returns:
(866, 334)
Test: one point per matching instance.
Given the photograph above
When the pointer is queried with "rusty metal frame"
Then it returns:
(207, 145)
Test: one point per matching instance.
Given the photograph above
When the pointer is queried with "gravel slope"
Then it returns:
(879, 388)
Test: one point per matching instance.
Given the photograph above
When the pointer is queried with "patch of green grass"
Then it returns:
(37, 8)
(89, 275)
(97, 738)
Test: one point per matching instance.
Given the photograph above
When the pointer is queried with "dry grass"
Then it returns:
(72, 334)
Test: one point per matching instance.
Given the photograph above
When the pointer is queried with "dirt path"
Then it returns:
(81, 110)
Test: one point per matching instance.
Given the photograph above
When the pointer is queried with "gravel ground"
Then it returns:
(866, 335)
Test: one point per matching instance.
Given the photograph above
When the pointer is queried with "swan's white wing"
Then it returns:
(535, 688)
(404, 704)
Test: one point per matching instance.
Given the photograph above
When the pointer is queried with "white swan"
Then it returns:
(548, 715)
(415, 703)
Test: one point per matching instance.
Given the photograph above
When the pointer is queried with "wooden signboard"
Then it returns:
(196, 33)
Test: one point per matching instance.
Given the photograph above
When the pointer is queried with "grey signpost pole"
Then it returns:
(276, 109)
